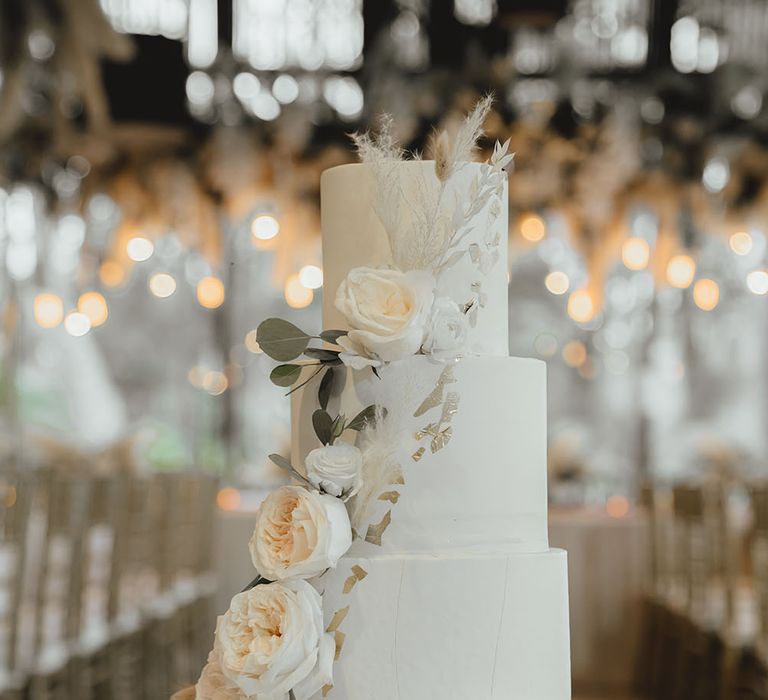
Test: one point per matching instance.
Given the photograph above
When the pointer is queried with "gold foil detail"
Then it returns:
(435, 397)
(391, 496)
(339, 637)
(358, 574)
(416, 456)
(398, 480)
(376, 531)
(337, 619)
(327, 689)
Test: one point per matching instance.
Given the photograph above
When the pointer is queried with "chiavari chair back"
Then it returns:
(16, 495)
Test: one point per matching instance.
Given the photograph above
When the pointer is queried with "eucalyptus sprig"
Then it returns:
(329, 429)
(285, 342)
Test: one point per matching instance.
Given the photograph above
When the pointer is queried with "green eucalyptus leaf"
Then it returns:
(282, 462)
(362, 419)
(325, 356)
(281, 340)
(285, 375)
(323, 425)
(332, 336)
(326, 388)
(338, 427)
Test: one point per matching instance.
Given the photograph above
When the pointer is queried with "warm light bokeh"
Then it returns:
(139, 249)
(210, 292)
(228, 499)
(740, 242)
(757, 282)
(48, 310)
(557, 282)
(162, 285)
(532, 227)
(706, 294)
(635, 253)
(311, 277)
(581, 307)
(111, 274)
(265, 227)
(681, 270)
(94, 306)
(296, 294)
(77, 323)
(574, 353)
(251, 343)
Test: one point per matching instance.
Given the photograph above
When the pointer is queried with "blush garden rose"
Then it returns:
(214, 685)
(336, 469)
(387, 311)
(299, 534)
(272, 641)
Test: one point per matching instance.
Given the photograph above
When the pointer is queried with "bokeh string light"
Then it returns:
(757, 282)
(311, 277)
(139, 249)
(162, 285)
(557, 282)
(77, 324)
(210, 292)
(48, 310)
(296, 294)
(265, 227)
(706, 294)
(94, 306)
(111, 274)
(681, 269)
(532, 227)
(581, 307)
(635, 253)
(741, 243)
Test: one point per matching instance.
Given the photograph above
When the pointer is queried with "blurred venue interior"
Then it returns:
(160, 164)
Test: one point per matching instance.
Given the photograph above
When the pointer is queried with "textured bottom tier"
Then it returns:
(455, 628)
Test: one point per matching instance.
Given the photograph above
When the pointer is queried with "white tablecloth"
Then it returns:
(607, 569)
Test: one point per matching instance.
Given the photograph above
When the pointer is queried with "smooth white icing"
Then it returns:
(353, 236)
(486, 490)
(454, 628)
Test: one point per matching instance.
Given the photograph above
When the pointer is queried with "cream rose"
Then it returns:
(447, 328)
(272, 641)
(336, 469)
(214, 685)
(387, 311)
(299, 534)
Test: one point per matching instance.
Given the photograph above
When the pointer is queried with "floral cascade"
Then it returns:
(272, 643)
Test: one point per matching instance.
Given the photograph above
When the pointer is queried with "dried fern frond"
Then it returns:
(381, 468)
(465, 141)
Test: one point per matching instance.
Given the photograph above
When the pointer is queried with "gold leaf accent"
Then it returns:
(435, 397)
(327, 689)
(339, 637)
(391, 496)
(416, 456)
(358, 574)
(450, 407)
(376, 531)
(398, 478)
(337, 619)
(441, 439)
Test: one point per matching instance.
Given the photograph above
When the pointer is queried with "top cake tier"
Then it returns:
(353, 236)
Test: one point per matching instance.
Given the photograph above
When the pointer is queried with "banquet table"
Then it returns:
(607, 567)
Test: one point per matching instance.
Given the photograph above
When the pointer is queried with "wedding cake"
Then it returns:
(413, 561)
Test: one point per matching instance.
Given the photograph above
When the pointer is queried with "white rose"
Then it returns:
(387, 310)
(336, 469)
(447, 328)
(214, 685)
(272, 641)
(299, 534)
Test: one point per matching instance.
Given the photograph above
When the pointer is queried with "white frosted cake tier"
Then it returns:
(485, 491)
(353, 236)
(454, 628)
